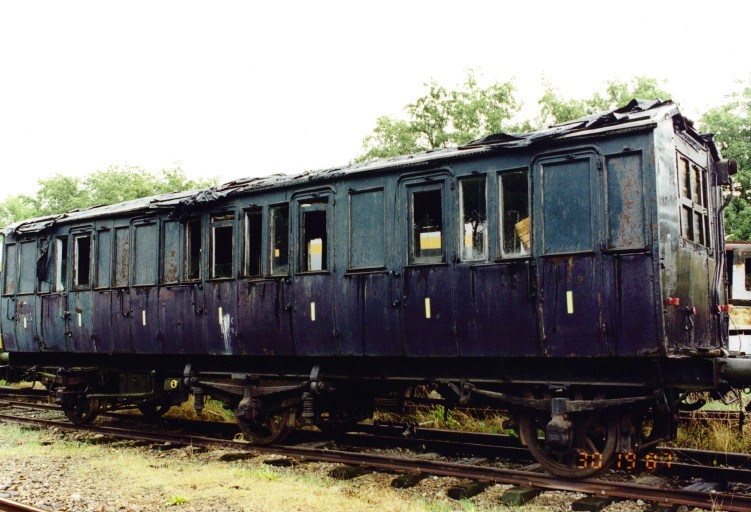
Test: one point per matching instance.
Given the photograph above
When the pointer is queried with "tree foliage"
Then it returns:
(59, 194)
(443, 118)
(556, 109)
(731, 125)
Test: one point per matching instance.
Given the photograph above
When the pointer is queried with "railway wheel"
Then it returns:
(83, 411)
(154, 409)
(272, 429)
(592, 450)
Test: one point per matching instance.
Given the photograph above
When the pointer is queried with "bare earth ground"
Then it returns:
(77, 473)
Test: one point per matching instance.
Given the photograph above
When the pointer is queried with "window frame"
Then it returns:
(272, 239)
(501, 250)
(687, 194)
(188, 246)
(246, 227)
(221, 220)
(461, 225)
(74, 263)
(412, 257)
(312, 206)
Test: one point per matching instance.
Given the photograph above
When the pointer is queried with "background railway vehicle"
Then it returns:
(739, 279)
(574, 276)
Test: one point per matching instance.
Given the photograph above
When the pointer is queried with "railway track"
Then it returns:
(711, 495)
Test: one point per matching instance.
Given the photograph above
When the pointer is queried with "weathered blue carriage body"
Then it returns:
(581, 262)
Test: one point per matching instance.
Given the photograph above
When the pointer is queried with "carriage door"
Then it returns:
(314, 305)
(569, 265)
(79, 319)
(427, 291)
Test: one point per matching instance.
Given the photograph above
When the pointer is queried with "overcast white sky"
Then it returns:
(234, 89)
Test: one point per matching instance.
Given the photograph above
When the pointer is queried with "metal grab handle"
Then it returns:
(194, 293)
(120, 294)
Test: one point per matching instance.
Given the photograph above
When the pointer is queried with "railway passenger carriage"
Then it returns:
(574, 276)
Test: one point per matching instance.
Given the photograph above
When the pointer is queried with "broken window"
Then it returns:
(280, 239)
(427, 227)
(472, 203)
(193, 249)
(515, 220)
(81, 261)
(253, 241)
(222, 245)
(693, 201)
(314, 241)
(61, 263)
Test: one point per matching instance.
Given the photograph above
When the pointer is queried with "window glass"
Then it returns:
(11, 267)
(27, 281)
(145, 238)
(515, 220)
(748, 274)
(693, 202)
(279, 239)
(103, 259)
(81, 261)
(193, 249)
(427, 227)
(253, 241)
(171, 252)
(314, 240)
(61, 263)
(567, 206)
(473, 205)
(366, 229)
(122, 253)
(222, 245)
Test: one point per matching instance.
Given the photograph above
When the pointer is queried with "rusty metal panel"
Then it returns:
(54, 308)
(144, 330)
(571, 306)
(26, 330)
(28, 268)
(264, 315)
(221, 317)
(181, 319)
(313, 315)
(367, 317)
(428, 312)
(101, 316)
(625, 202)
(496, 310)
(630, 304)
(79, 321)
(11, 269)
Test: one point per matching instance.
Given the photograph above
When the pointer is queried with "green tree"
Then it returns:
(556, 109)
(443, 118)
(731, 125)
(59, 194)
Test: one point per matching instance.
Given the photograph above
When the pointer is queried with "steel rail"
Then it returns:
(711, 500)
(7, 505)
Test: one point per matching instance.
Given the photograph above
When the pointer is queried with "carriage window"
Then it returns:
(145, 240)
(122, 253)
(515, 219)
(748, 273)
(693, 202)
(61, 263)
(314, 242)
(103, 258)
(28, 267)
(222, 245)
(366, 229)
(81, 261)
(193, 249)
(253, 241)
(280, 239)
(473, 236)
(11, 267)
(170, 251)
(427, 227)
